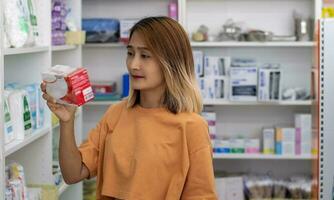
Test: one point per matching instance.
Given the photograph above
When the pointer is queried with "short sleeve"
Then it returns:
(90, 149)
(200, 183)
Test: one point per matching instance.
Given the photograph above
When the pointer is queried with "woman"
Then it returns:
(153, 145)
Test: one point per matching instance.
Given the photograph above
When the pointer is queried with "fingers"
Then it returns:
(53, 106)
(43, 87)
(48, 98)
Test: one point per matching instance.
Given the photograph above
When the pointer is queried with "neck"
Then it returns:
(151, 98)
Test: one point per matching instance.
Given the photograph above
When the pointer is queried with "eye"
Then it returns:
(145, 56)
(130, 53)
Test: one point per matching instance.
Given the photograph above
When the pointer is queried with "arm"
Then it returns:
(70, 160)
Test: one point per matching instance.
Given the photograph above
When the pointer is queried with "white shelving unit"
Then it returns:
(2, 143)
(24, 66)
(262, 157)
(63, 47)
(17, 145)
(26, 50)
(324, 110)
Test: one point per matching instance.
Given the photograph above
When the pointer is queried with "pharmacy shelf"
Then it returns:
(26, 50)
(253, 44)
(17, 145)
(221, 44)
(64, 47)
(262, 157)
(104, 45)
(256, 103)
(62, 188)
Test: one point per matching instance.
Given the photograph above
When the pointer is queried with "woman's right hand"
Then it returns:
(65, 113)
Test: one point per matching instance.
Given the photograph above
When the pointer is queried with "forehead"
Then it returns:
(137, 40)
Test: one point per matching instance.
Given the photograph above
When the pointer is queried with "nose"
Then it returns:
(134, 63)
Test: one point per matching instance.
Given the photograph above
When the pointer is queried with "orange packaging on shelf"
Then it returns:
(68, 85)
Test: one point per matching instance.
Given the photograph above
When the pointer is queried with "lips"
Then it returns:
(137, 77)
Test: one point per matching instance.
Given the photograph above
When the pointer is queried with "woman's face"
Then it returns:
(143, 66)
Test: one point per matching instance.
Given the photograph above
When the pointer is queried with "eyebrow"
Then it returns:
(140, 48)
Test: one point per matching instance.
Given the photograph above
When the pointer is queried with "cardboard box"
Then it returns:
(125, 26)
(269, 85)
(303, 125)
(230, 188)
(198, 63)
(75, 37)
(68, 85)
(268, 139)
(243, 84)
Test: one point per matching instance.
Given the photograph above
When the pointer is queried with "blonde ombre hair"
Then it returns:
(168, 41)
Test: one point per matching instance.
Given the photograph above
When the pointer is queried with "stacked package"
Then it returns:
(20, 23)
(23, 111)
(59, 13)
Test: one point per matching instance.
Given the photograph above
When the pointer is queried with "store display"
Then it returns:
(8, 123)
(296, 94)
(100, 30)
(75, 37)
(230, 188)
(16, 22)
(243, 83)
(252, 146)
(231, 31)
(198, 63)
(173, 10)
(125, 26)
(36, 105)
(211, 118)
(201, 34)
(126, 85)
(20, 113)
(33, 19)
(285, 140)
(16, 186)
(59, 12)
(256, 36)
(303, 125)
(304, 27)
(68, 85)
(269, 83)
(268, 139)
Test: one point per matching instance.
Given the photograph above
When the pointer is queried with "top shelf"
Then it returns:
(63, 48)
(253, 44)
(221, 44)
(26, 50)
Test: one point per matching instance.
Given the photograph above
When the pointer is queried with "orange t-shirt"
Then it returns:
(150, 154)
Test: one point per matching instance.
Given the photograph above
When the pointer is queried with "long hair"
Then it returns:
(168, 41)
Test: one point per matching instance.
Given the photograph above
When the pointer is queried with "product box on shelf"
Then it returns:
(303, 125)
(268, 140)
(216, 66)
(243, 83)
(252, 146)
(125, 26)
(230, 188)
(68, 85)
(237, 145)
(211, 118)
(198, 63)
(269, 84)
(285, 139)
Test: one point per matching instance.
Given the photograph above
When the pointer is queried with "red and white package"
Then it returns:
(68, 85)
